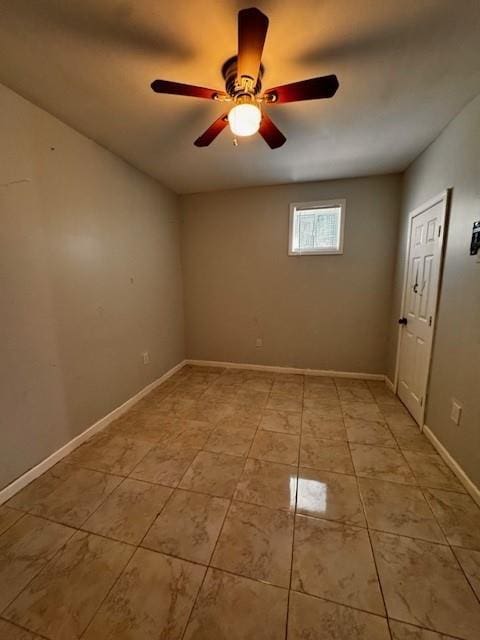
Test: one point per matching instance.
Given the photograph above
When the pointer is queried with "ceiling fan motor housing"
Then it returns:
(235, 88)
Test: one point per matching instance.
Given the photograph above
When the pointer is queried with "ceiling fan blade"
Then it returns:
(212, 132)
(180, 89)
(270, 133)
(252, 31)
(313, 89)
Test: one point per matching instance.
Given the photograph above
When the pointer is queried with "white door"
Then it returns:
(420, 294)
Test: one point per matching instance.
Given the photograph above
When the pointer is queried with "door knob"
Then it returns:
(402, 321)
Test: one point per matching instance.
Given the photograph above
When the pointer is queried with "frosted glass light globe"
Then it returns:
(244, 119)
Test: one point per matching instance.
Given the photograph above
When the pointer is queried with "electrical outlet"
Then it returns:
(259, 342)
(146, 357)
(456, 412)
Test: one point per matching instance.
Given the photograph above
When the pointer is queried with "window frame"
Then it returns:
(340, 203)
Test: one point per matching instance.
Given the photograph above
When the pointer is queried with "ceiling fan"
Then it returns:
(243, 84)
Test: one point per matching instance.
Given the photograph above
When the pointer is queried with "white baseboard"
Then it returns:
(469, 485)
(389, 384)
(274, 369)
(15, 486)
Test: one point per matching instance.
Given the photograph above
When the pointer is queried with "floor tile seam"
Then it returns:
(447, 490)
(377, 572)
(207, 567)
(351, 460)
(175, 556)
(433, 542)
(394, 435)
(361, 474)
(44, 567)
(423, 485)
(19, 626)
(178, 488)
(194, 603)
(154, 443)
(477, 595)
(379, 530)
(247, 457)
(90, 468)
(170, 497)
(289, 433)
(213, 495)
(374, 444)
(385, 617)
(401, 535)
(103, 501)
(395, 438)
(230, 573)
(222, 453)
(22, 515)
(405, 458)
(262, 506)
(379, 446)
(444, 545)
(463, 548)
(294, 526)
(341, 604)
(450, 545)
(85, 468)
(423, 491)
(337, 473)
(251, 457)
(443, 634)
(81, 528)
(112, 586)
(393, 482)
(49, 519)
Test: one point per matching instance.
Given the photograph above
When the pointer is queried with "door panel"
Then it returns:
(412, 298)
(419, 306)
(426, 288)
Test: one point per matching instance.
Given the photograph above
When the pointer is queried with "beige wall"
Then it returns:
(90, 277)
(453, 160)
(324, 312)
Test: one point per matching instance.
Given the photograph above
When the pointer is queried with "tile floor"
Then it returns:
(233, 504)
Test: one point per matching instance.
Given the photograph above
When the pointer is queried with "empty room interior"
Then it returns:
(240, 320)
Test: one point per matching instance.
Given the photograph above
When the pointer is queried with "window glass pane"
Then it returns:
(316, 229)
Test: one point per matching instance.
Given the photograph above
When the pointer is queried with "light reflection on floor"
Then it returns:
(293, 492)
(312, 496)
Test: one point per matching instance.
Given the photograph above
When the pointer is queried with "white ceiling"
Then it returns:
(405, 69)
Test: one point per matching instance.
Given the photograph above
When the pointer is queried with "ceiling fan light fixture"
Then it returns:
(244, 119)
(243, 74)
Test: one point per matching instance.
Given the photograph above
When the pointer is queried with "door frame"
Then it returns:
(445, 198)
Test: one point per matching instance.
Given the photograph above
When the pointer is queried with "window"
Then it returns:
(316, 228)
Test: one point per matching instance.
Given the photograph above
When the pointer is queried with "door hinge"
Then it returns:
(439, 230)
(421, 402)
(430, 321)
